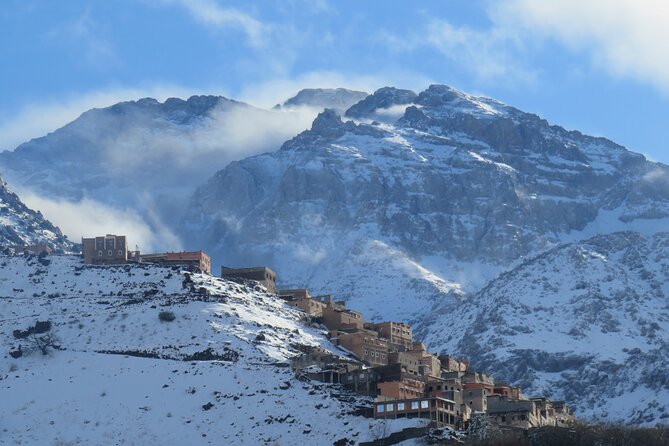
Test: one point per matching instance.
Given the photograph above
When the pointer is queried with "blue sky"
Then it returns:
(600, 66)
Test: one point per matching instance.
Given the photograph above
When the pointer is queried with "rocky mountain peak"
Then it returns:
(339, 99)
(383, 98)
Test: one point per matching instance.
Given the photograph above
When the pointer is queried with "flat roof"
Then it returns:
(227, 270)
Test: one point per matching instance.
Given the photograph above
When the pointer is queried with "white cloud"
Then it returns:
(211, 13)
(88, 218)
(492, 55)
(627, 38)
(37, 119)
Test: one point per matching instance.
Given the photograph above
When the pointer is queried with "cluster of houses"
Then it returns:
(406, 380)
(382, 360)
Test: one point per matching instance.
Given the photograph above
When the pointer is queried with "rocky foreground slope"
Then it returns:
(118, 374)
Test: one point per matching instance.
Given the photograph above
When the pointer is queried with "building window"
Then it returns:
(424, 404)
(99, 253)
(414, 405)
(110, 252)
(120, 252)
(389, 407)
(400, 406)
(380, 408)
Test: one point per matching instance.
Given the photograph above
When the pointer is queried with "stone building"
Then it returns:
(197, 259)
(261, 274)
(105, 250)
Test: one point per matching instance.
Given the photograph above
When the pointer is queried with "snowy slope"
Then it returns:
(587, 322)
(122, 376)
(20, 225)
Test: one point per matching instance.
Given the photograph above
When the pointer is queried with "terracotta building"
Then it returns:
(365, 344)
(450, 364)
(337, 318)
(399, 334)
(197, 259)
(476, 395)
(299, 293)
(310, 306)
(409, 361)
(39, 248)
(429, 364)
(261, 274)
(105, 250)
(439, 410)
(407, 387)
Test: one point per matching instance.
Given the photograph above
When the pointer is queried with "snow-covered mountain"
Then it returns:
(215, 374)
(423, 197)
(145, 158)
(430, 208)
(20, 225)
(586, 321)
(339, 99)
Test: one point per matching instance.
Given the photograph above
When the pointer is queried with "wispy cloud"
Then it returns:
(211, 13)
(88, 36)
(626, 38)
(89, 217)
(490, 55)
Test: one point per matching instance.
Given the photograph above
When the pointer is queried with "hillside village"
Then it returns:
(379, 360)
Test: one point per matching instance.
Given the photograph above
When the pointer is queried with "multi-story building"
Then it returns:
(429, 364)
(105, 250)
(399, 334)
(439, 410)
(451, 364)
(475, 396)
(337, 318)
(410, 361)
(365, 344)
(261, 274)
(310, 306)
(196, 259)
